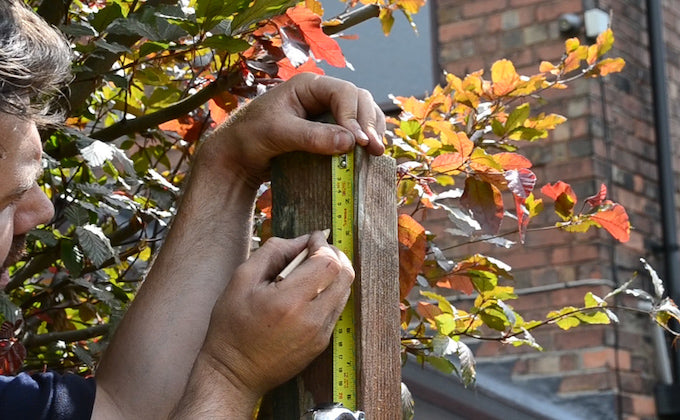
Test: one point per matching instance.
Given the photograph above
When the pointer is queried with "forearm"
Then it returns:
(154, 347)
(211, 394)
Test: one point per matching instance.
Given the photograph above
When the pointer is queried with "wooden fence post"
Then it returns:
(301, 187)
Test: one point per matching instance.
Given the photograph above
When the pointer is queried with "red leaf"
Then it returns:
(598, 198)
(522, 217)
(412, 244)
(12, 355)
(615, 221)
(286, 70)
(485, 202)
(323, 47)
(555, 190)
(521, 182)
(564, 196)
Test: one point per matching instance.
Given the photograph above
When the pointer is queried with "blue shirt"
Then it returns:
(48, 396)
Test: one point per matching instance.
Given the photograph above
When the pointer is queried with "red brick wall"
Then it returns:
(608, 138)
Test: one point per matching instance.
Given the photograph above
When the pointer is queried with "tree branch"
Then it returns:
(353, 17)
(66, 336)
(176, 110)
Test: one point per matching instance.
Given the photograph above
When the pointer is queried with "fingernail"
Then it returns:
(343, 140)
(362, 138)
(375, 135)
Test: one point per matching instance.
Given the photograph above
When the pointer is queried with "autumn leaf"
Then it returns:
(315, 6)
(187, 127)
(417, 108)
(509, 160)
(504, 77)
(264, 203)
(608, 65)
(604, 42)
(555, 190)
(323, 47)
(457, 282)
(548, 67)
(448, 163)
(485, 202)
(286, 69)
(428, 311)
(598, 198)
(412, 245)
(615, 221)
(12, 351)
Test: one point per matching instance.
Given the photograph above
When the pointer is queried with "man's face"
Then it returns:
(23, 205)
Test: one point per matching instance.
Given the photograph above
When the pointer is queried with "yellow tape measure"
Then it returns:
(344, 344)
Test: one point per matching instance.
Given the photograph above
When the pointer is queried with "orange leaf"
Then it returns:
(264, 203)
(217, 113)
(459, 140)
(448, 163)
(323, 47)
(548, 67)
(615, 221)
(504, 77)
(510, 160)
(457, 282)
(413, 106)
(187, 127)
(610, 65)
(412, 244)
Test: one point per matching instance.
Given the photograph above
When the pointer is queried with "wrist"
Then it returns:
(212, 392)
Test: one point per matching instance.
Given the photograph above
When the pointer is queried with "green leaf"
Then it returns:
(568, 322)
(77, 30)
(226, 43)
(71, 257)
(442, 364)
(482, 280)
(446, 324)
(9, 311)
(444, 305)
(517, 117)
(45, 236)
(77, 215)
(258, 11)
(95, 245)
(105, 16)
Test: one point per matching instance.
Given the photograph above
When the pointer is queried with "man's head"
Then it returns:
(34, 64)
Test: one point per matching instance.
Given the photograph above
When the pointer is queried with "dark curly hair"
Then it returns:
(35, 62)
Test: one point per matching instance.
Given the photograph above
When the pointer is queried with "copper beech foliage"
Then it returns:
(152, 78)
(458, 154)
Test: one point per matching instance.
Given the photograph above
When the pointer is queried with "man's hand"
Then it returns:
(277, 122)
(263, 331)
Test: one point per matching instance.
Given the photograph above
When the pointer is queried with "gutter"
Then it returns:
(668, 405)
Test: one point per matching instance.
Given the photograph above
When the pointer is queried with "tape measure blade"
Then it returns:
(344, 341)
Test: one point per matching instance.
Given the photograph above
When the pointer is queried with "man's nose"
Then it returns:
(34, 209)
